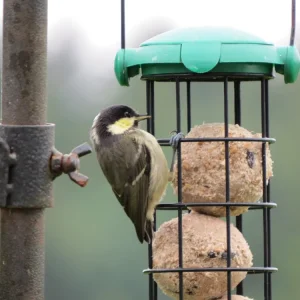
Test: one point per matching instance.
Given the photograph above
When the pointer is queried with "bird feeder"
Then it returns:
(218, 55)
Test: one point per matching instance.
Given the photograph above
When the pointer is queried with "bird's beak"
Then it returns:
(142, 117)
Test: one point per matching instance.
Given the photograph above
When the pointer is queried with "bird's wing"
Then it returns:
(129, 175)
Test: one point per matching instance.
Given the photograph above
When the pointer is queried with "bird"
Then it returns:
(133, 163)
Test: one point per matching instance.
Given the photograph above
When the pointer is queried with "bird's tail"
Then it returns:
(148, 234)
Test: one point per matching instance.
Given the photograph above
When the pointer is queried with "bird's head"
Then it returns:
(116, 119)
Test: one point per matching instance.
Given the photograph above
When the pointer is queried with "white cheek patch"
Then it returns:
(121, 125)
(116, 129)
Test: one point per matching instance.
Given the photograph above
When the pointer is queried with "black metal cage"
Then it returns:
(266, 205)
(261, 76)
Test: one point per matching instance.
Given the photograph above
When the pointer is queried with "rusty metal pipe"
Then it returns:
(24, 74)
(22, 254)
(24, 102)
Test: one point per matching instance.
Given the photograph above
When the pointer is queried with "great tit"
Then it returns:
(133, 163)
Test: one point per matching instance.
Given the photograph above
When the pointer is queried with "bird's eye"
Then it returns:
(127, 114)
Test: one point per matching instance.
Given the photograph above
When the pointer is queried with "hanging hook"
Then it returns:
(123, 24)
(293, 25)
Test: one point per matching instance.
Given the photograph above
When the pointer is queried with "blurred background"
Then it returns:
(92, 252)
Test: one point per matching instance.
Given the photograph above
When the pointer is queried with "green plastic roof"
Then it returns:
(206, 50)
(204, 34)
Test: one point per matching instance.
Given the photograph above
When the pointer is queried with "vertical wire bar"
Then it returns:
(154, 283)
(237, 103)
(188, 101)
(268, 190)
(152, 130)
(179, 184)
(178, 111)
(152, 107)
(265, 214)
(149, 127)
(148, 104)
(227, 174)
(189, 109)
(123, 24)
(238, 120)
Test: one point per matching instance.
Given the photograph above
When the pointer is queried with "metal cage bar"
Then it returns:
(179, 181)
(265, 206)
(152, 125)
(227, 175)
(238, 120)
(268, 186)
(188, 105)
(266, 211)
(151, 129)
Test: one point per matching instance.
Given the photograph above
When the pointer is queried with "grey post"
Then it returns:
(24, 102)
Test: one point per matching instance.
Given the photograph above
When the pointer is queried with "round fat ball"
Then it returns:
(203, 169)
(204, 246)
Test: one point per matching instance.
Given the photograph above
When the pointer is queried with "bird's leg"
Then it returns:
(174, 141)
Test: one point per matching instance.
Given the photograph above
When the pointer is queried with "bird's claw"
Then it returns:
(175, 138)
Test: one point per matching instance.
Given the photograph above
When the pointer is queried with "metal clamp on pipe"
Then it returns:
(29, 163)
(25, 177)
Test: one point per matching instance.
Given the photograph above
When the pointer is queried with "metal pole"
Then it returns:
(24, 102)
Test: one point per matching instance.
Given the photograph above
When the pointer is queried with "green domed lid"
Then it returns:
(206, 50)
(204, 34)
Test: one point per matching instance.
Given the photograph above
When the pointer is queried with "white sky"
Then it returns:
(100, 19)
